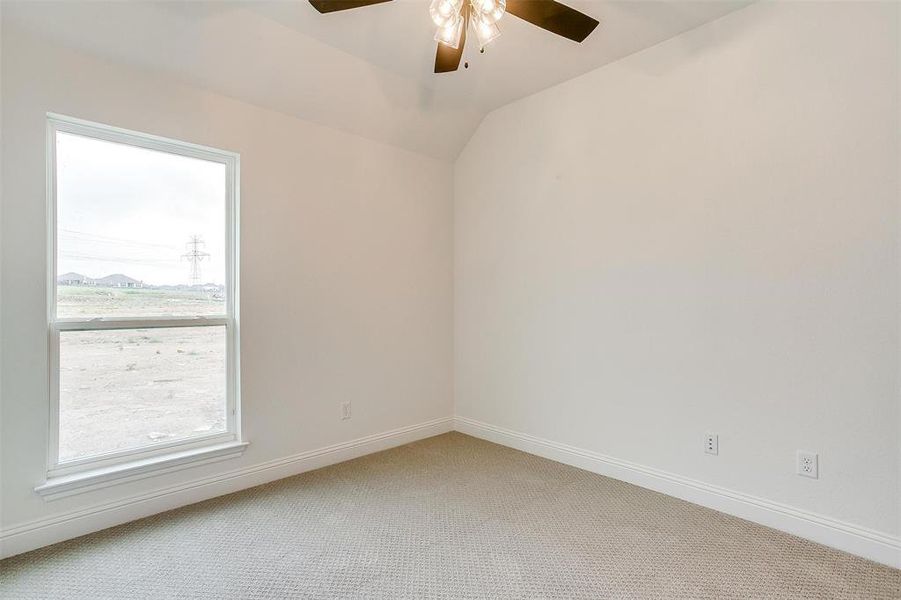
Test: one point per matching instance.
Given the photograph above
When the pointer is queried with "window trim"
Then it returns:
(104, 476)
(124, 463)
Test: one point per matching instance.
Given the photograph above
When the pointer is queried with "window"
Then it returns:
(142, 303)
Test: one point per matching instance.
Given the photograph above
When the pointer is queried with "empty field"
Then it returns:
(90, 301)
(123, 389)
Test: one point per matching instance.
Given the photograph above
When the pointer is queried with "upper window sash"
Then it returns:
(230, 161)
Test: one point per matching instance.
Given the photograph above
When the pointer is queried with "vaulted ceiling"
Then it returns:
(367, 71)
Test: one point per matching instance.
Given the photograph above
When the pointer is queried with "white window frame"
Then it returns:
(102, 469)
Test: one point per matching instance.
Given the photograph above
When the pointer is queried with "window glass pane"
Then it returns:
(139, 232)
(127, 389)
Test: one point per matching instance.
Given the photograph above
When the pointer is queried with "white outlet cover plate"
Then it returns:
(712, 443)
(808, 464)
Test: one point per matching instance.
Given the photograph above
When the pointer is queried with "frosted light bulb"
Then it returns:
(486, 31)
(450, 34)
(498, 12)
(444, 12)
(491, 10)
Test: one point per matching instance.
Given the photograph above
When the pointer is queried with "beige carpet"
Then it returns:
(447, 517)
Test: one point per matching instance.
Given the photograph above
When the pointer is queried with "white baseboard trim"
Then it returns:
(837, 534)
(847, 537)
(42, 532)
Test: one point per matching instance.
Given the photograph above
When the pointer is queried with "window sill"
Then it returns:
(95, 479)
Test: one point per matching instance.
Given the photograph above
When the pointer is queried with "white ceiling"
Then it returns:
(367, 71)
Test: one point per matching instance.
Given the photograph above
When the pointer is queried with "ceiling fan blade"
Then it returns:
(327, 6)
(447, 59)
(554, 17)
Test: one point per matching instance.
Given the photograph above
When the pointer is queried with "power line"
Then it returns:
(107, 239)
(136, 261)
(195, 255)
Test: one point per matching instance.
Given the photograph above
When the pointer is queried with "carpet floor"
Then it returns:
(446, 517)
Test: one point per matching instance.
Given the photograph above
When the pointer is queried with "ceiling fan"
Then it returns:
(453, 18)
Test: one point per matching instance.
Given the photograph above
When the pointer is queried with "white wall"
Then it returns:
(346, 260)
(701, 237)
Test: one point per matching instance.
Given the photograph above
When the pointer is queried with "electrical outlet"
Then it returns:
(808, 464)
(345, 411)
(712, 443)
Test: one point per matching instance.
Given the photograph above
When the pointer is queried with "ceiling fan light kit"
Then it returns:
(453, 18)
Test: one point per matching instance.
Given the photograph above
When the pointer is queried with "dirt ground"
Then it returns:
(130, 388)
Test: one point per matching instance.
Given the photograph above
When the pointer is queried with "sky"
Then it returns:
(122, 209)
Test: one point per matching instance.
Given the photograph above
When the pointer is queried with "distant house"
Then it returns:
(120, 281)
(74, 279)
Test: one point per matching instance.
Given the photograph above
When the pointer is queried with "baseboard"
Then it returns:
(840, 535)
(57, 528)
(843, 536)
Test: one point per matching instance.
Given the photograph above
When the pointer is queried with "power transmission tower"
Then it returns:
(195, 255)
